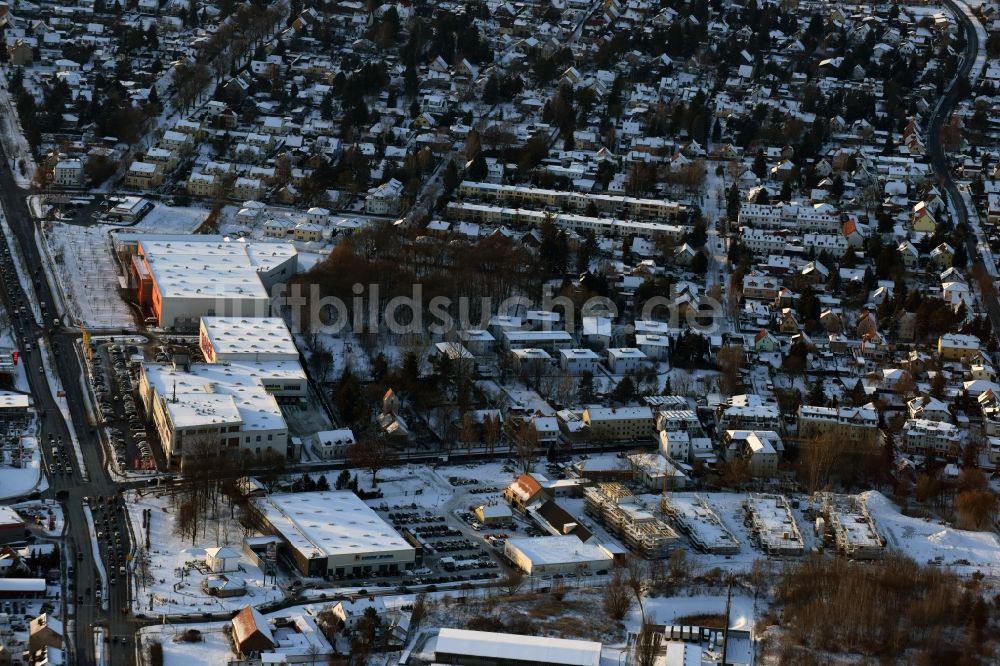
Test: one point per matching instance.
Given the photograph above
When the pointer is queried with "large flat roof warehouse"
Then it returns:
(255, 338)
(189, 267)
(514, 648)
(558, 550)
(330, 523)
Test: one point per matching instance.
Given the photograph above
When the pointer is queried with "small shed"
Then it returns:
(222, 559)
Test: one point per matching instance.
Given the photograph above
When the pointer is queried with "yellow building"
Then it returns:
(957, 347)
(619, 424)
(144, 176)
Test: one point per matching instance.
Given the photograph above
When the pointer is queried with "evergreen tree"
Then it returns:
(816, 396)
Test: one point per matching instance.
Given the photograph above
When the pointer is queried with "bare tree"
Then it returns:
(617, 598)
(647, 645)
(373, 454)
(977, 508)
(526, 441)
(491, 432)
(419, 610)
(513, 581)
(636, 579)
(679, 566)
(731, 360)
(470, 431)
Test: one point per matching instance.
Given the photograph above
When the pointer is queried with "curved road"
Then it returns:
(938, 158)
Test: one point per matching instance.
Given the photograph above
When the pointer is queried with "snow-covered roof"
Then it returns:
(513, 647)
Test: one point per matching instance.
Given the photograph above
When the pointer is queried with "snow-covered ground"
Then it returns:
(176, 566)
(20, 481)
(85, 266)
(399, 485)
(165, 219)
(667, 610)
(22, 162)
(929, 542)
(213, 648)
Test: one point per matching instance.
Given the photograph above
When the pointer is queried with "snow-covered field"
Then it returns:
(666, 610)
(929, 542)
(399, 486)
(86, 270)
(176, 566)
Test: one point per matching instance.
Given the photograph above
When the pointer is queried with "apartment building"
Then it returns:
(599, 226)
(619, 423)
(957, 347)
(854, 424)
(519, 195)
(924, 437)
(144, 176)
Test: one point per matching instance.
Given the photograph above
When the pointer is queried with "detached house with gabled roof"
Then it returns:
(251, 635)
(923, 218)
(765, 342)
(524, 491)
(909, 255)
(942, 255)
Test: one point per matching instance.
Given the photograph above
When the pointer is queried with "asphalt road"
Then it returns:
(939, 161)
(75, 485)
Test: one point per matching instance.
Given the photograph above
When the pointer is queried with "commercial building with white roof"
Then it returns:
(236, 339)
(231, 406)
(334, 533)
(556, 555)
(180, 279)
(485, 648)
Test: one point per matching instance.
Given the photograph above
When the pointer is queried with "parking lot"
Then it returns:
(114, 376)
(449, 554)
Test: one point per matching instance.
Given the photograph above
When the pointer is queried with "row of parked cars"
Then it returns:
(125, 371)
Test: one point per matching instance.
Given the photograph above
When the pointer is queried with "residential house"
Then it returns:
(957, 347)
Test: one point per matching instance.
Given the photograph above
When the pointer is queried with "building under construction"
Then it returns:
(694, 518)
(628, 519)
(772, 525)
(846, 522)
